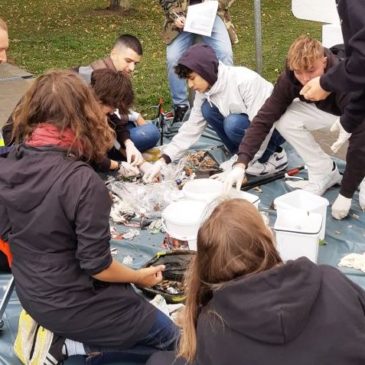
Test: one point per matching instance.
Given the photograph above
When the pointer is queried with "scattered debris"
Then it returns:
(127, 260)
(131, 234)
(257, 189)
(353, 215)
(354, 261)
(114, 251)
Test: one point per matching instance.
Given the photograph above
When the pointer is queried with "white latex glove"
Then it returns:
(341, 207)
(127, 170)
(234, 177)
(343, 136)
(362, 195)
(134, 157)
(152, 171)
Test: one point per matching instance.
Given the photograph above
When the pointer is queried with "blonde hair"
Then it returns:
(233, 241)
(303, 53)
(3, 25)
(62, 98)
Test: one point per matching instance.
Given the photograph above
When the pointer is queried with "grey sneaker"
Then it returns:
(278, 161)
(321, 186)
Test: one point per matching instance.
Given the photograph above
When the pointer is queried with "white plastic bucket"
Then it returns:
(203, 189)
(208, 189)
(297, 234)
(182, 219)
(303, 200)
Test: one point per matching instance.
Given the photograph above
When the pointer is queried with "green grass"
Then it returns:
(48, 34)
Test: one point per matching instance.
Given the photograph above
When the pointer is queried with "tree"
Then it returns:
(119, 4)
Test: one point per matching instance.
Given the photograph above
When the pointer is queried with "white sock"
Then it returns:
(71, 348)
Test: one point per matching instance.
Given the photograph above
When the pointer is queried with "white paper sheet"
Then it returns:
(200, 18)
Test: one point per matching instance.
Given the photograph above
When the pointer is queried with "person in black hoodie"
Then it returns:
(54, 212)
(245, 306)
(348, 76)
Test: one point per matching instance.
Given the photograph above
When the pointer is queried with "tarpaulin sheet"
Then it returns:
(342, 237)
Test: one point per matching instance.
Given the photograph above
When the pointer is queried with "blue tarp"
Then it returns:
(342, 237)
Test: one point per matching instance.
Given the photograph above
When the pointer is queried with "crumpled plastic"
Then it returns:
(354, 261)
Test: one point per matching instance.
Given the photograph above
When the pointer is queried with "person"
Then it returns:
(54, 212)
(178, 41)
(227, 98)
(125, 55)
(4, 41)
(348, 76)
(245, 306)
(114, 90)
(294, 117)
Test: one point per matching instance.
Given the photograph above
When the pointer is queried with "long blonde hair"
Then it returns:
(233, 241)
(63, 99)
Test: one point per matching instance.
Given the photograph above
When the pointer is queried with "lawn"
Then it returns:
(48, 34)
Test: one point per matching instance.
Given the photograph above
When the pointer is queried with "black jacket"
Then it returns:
(54, 211)
(298, 313)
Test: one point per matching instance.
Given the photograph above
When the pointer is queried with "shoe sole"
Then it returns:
(24, 340)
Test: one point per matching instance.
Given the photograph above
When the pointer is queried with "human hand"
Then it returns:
(140, 120)
(343, 136)
(152, 171)
(234, 177)
(127, 170)
(341, 207)
(149, 276)
(179, 21)
(134, 157)
(362, 195)
(313, 91)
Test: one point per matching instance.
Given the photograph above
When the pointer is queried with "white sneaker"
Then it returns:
(319, 187)
(278, 161)
(362, 195)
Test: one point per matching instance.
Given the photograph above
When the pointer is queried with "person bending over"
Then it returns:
(54, 212)
(295, 118)
(227, 98)
(114, 91)
(245, 306)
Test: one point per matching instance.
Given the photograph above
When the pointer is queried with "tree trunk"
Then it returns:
(119, 4)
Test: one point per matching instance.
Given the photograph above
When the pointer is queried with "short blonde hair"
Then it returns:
(303, 52)
(3, 25)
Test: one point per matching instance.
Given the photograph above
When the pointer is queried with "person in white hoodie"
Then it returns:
(227, 98)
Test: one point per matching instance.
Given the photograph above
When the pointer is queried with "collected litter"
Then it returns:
(354, 261)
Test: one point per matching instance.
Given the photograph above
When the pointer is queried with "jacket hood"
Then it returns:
(201, 59)
(26, 176)
(272, 306)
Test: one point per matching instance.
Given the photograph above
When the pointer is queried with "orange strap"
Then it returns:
(5, 248)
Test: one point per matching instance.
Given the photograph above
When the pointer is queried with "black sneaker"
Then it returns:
(179, 112)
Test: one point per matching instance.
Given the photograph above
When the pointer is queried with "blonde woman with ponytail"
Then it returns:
(245, 306)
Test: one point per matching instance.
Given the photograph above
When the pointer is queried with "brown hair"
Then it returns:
(65, 100)
(113, 88)
(303, 52)
(233, 241)
(3, 25)
(129, 41)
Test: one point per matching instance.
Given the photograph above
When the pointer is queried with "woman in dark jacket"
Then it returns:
(245, 306)
(54, 212)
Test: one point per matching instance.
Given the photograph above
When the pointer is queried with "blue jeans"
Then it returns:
(219, 41)
(144, 136)
(232, 129)
(163, 336)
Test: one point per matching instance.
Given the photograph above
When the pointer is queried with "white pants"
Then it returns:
(295, 125)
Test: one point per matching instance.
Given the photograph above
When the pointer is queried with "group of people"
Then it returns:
(244, 305)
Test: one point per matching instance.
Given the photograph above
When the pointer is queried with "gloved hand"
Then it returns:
(127, 170)
(134, 157)
(343, 136)
(362, 195)
(152, 171)
(233, 177)
(341, 207)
